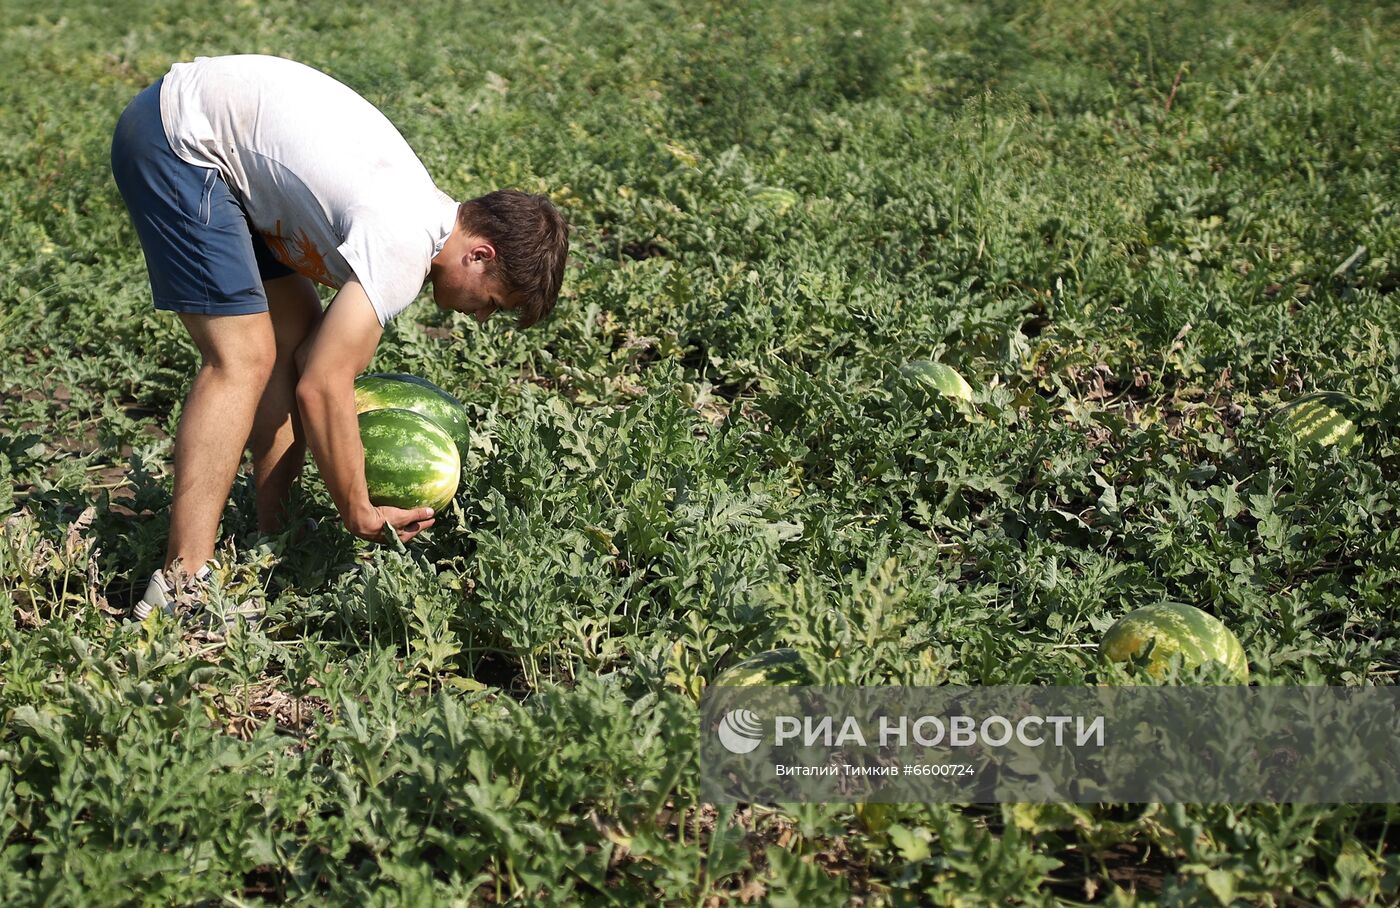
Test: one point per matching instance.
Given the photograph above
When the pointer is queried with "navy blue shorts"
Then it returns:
(202, 255)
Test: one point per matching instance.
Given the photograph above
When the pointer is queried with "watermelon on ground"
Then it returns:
(1318, 420)
(937, 377)
(774, 198)
(382, 390)
(779, 666)
(1170, 628)
(410, 460)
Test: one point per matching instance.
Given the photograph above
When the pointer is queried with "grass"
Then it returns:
(1135, 228)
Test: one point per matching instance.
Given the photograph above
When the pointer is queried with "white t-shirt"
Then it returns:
(325, 178)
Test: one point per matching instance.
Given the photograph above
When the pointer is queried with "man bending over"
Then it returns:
(248, 178)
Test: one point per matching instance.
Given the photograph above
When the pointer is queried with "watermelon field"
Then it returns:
(1140, 231)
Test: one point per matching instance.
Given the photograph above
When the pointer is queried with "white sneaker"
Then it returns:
(160, 594)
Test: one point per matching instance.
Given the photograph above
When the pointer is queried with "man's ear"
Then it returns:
(481, 251)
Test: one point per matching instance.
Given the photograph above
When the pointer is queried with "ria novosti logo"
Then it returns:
(740, 731)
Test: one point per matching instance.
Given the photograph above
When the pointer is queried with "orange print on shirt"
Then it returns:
(298, 253)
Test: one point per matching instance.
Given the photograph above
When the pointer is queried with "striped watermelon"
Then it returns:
(779, 666)
(1318, 420)
(409, 392)
(410, 461)
(774, 198)
(932, 376)
(1173, 627)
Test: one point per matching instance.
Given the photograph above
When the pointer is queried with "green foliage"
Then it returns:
(1135, 231)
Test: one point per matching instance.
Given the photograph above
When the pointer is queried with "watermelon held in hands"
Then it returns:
(1169, 628)
(1319, 420)
(410, 460)
(409, 392)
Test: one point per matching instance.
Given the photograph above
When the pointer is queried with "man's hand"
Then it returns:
(407, 523)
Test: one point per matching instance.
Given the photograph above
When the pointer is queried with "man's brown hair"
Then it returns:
(531, 240)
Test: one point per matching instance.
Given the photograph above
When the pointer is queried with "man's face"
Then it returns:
(479, 297)
(465, 286)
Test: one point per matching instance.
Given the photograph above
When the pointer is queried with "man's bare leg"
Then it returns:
(238, 353)
(276, 441)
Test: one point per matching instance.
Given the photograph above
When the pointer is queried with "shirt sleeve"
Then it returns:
(389, 260)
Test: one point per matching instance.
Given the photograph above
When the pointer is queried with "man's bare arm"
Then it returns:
(330, 359)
